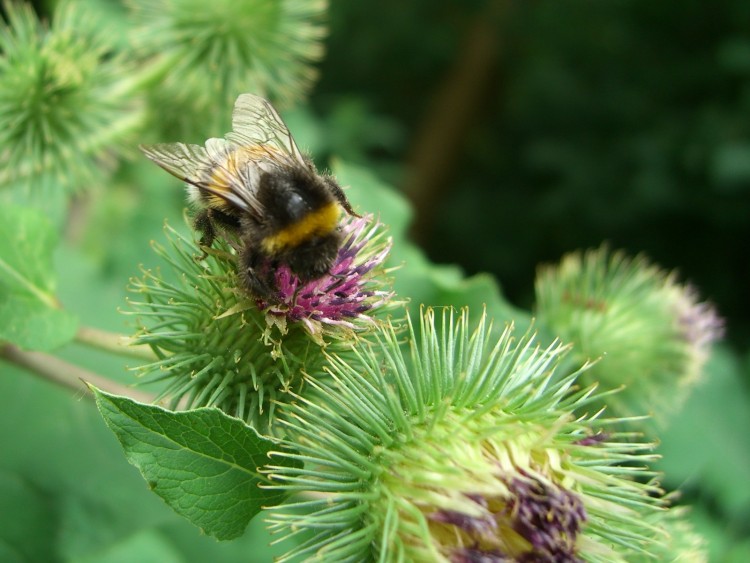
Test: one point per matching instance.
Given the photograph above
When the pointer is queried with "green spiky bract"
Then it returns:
(415, 456)
(653, 333)
(684, 544)
(204, 54)
(66, 99)
(217, 348)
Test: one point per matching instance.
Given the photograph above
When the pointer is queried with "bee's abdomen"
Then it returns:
(319, 222)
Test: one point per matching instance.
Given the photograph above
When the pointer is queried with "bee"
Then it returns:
(256, 185)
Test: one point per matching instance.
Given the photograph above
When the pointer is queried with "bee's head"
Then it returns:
(313, 258)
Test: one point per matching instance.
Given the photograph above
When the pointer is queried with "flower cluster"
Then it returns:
(462, 449)
(207, 53)
(66, 98)
(652, 332)
(219, 346)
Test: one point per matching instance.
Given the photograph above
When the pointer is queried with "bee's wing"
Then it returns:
(208, 169)
(256, 123)
(182, 161)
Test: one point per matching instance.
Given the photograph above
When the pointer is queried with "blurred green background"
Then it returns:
(575, 121)
(519, 131)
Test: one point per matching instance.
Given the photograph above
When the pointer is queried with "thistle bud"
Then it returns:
(653, 335)
(205, 54)
(464, 448)
(66, 99)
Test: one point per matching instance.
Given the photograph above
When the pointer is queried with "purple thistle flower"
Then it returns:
(476, 555)
(472, 525)
(699, 322)
(593, 440)
(218, 346)
(346, 294)
(548, 517)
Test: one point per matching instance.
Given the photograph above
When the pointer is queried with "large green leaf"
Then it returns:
(27, 521)
(147, 546)
(202, 463)
(30, 315)
(368, 194)
(705, 446)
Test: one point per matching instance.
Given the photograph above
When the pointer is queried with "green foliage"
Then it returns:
(30, 314)
(67, 104)
(422, 281)
(716, 417)
(619, 121)
(32, 516)
(202, 56)
(202, 463)
(63, 468)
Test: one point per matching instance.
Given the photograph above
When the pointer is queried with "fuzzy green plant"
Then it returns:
(204, 54)
(67, 103)
(683, 543)
(653, 333)
(463, 448)
(219, 346)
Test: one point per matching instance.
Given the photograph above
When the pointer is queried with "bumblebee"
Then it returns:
(256, 185)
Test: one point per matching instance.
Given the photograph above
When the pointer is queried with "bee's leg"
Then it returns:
(256, 274)
(339, 194)
(229, 222)
(203, 222)
(224, 220)
(207, 220)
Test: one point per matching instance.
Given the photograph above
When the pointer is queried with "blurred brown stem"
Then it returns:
(112, 342)
(66, 374)
(454, 108)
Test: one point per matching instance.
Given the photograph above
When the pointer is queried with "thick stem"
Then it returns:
(66, 374)
(116, 343)
(455, 107)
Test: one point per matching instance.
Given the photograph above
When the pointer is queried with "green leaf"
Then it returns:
(147, 546)
(705, 445)
(202, 463)
(28, 521)
(30, 315)
(369, 195)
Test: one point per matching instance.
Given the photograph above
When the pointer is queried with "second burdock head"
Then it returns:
(645, 331)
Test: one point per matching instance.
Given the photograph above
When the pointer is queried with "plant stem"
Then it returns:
(112, 342)
(66, 374)
(455, 107)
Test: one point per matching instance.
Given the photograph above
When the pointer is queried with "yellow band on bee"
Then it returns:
(319, 222)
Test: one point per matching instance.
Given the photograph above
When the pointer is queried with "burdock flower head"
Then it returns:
(341, 297)
(66, 98)
(653, 333)
(219, 345)
(463, 449)
(206, 53)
